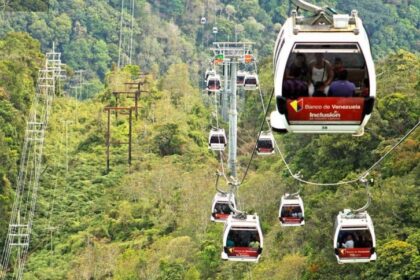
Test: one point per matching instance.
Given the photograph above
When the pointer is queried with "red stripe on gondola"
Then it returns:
(354, 252)
(263, 150)
(242, 252)
(325, 109)
(288, 220)
(221, 216)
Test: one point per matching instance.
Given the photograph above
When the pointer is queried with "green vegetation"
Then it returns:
(151, 220)
(167, 32)
(19, 62)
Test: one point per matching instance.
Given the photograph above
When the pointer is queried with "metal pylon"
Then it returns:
(233, 53)
(17, 242)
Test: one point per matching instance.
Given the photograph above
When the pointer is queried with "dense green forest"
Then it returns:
(151, 220)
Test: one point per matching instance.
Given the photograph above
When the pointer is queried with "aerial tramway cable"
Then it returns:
(294, 175)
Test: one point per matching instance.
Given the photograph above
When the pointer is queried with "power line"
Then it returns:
(19, 232)
(125, 44)
(298, 178)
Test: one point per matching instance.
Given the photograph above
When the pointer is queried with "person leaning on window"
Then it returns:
(342, 87)
(349, 242)
(321, 75)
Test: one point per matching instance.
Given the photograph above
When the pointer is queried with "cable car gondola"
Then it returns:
(203, 20)
(242, 239)
(209, 72)
(240, 78)
(302, 44)
(291, 211)
(265, 144)
(354, 238)
(215, 30)
(217, 140)
(213, 83)
(220, 206)
(251, 82)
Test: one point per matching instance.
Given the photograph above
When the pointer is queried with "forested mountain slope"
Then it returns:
(151, 220)
(169, 31)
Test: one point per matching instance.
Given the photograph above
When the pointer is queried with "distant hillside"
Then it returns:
(168, 31)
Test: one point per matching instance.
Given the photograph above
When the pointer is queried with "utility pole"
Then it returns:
(126, 111)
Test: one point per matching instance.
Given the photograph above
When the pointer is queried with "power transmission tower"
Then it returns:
(18, 236)
(125, 44)
(79, 82)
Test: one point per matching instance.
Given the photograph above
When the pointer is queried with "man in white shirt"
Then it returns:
(349, 242)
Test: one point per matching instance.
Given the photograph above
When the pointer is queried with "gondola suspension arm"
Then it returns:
(307, 6)
(234, 184)
(218, 175)
(369, 196)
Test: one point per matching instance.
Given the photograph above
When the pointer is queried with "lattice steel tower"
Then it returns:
(17, 243)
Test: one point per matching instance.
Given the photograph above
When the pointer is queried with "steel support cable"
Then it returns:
(360, 177)
(369, 197)
(223, 167)
(256, 142)
(297, 176)
(233, 188)
(218, 175)
(121, 31)
(132, 30)
(217, 127)
(392, 149)
(259, 89)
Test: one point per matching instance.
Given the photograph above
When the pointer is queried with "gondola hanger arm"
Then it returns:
(307, 6)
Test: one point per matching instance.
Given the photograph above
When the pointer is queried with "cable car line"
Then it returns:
(218, 175)
(217, 127)
(369, 196)
(295, 175)
(259, 89)
(360, 177)
(259, 134)
(354, 239)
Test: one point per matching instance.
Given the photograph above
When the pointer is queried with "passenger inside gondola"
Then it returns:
(222, 208)
(291, 211)
(295, 86)
(298, 68)
(251, 81)
(213, 84)
(365, 88)
(349, 242)
(355, 238)
(321, 75)
(342, 87)
(254, 243)
(243, 238)
(320, 72)
(265, 145)
(338, 67)
(217, 139)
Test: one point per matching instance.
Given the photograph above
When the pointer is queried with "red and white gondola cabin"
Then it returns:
(337, 38)
(354, 238)
(242, 239)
